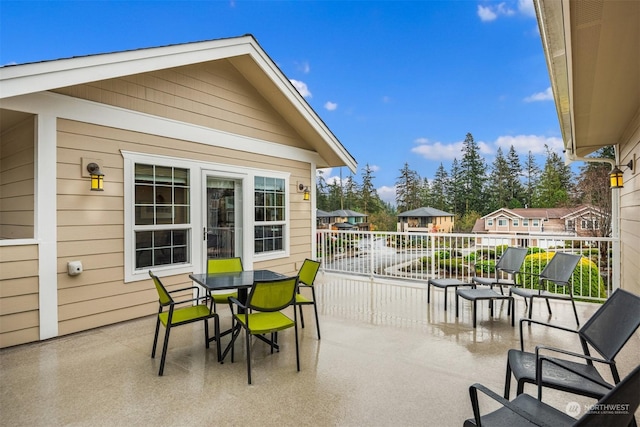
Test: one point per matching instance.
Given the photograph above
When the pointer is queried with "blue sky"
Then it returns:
(395, 81)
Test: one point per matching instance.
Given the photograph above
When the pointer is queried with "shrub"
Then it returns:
(486, 253)
(500, 250)
(534, 250)
(586, 279)
(442, 255)
(454, 266)
(488, 266)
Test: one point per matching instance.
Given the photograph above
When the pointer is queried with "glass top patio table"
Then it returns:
(237, 280)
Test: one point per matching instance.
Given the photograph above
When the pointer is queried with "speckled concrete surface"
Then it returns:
(386, 358)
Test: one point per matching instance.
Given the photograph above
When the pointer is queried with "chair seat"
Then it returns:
(186, 314)
(539, 411)
(526, 293)
(523, 367)
(301, 299)
(224, 298)
(266, 322)
(480, 294)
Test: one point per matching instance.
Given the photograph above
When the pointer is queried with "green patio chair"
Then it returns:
(224, 265)
(307, 276)
(193, 311)
(262, 314)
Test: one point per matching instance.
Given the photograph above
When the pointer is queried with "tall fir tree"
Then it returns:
(499, 183)
(407, 189)
(554, 188)
(455, 191)
(439, 186)
(516, 189)
(370, 202)
(531, 179)
(473, 176)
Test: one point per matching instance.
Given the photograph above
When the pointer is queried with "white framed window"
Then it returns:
(536, 223)
(490, 222)
(590, 224)
(162, 216)
(270, 214)
(159, 215)
(516, 223)
(525, 222)
(502, 222)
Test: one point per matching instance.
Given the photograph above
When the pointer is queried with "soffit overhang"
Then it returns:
(592, 49)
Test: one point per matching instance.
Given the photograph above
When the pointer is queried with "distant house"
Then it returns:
(580, 221)
(344, 219)
(323, 219)
(426, 220)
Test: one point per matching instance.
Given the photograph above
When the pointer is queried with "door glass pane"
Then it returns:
(224, 217)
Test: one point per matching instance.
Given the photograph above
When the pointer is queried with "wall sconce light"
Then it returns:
(616, 175)
(97, 177)
(306, 194)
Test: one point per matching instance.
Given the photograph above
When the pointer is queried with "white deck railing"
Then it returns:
(422, 256)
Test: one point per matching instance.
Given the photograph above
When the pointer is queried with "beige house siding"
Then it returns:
(630, 209)
(212, 95)
(19, 320)
(91, 224)
(17, 181)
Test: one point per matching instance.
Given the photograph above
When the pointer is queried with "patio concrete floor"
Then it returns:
(386, 358)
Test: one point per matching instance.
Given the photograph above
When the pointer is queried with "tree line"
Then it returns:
(471, 189)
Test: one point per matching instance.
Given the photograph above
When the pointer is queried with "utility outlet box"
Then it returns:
(74, 268)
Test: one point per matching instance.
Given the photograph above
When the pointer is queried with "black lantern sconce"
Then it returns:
(97, 177)
(616, 175)
(306, 194)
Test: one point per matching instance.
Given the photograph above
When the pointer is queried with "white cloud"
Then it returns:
(387, 194)
(526, 8)
(534, 143)
(547, 95)
(304, 67)
(302, 88)
(486, 14)
(331, 106)
(437, 150)
(374, 168)
(492, 11)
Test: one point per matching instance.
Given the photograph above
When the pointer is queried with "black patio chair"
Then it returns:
(509, 263)
(557, 271)
(607, 331)
(616, 408)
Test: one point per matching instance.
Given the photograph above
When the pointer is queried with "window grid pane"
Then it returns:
(161, 199)
(269, 214)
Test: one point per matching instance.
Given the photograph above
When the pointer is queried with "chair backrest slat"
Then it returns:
(613, 324)
(273, 295)
(560, 268)
(308, 272)
(224, 265)
(163, 295)
(511, 260)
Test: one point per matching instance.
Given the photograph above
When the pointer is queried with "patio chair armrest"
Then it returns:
(543, 358)
(568, 353)
(473, 394)
(234, 301)
(551, 325)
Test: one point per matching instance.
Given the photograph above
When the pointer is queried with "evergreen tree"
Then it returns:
(455, 190)
(473, 177)
(407, 189)
(499, 183)
(425, 194)
(554, 188)
(322, 197)
(531, 179)
(351, 193)
(516, 189)
(439, 186)
(370, 201)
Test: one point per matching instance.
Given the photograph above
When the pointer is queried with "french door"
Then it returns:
(223, 212)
